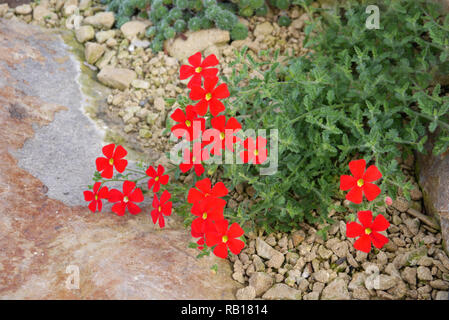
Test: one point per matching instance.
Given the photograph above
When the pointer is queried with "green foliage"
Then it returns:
(239, 32)
(284, 21)
(180, 15)
(360, 93)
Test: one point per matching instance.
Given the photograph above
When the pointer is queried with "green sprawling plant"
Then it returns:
(361, 93)
(176, 16)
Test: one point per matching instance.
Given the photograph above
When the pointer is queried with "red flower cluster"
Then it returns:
(191, 124)
(361, 183)
(210, 225)
(130, 194)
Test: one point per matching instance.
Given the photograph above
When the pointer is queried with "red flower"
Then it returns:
(200, 243)
(126, 199)
(161, 207)
(96, 196)
(198, 69)
(113, 159)
(359, 183)
(254, 153)
(208, 210)
(209, 96)
(218, 234)
(225, 135)
(206, 191)
(368, 231)
(157, 178)
(193, 159)
(188, 121)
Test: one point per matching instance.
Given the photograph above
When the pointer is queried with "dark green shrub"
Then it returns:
(362, 93)
(169, 33)
(194, 24)
(180, 25)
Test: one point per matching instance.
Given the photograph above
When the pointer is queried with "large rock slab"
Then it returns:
(45, 136)
(433, 177)
(196, 41)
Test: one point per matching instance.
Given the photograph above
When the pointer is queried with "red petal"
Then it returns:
(353, 230)
(160, 170)
(161, 221)
(213, 238)
(108, 172)
(357, 168)
(201, 107)
(96, 187)
(204, 185)
(379, 240)
(119, 153)
(209, 61)
(178, 116)
(195, 81)
(133, 208)
(262, 156)
(184, 167)
(115, 195)
(371, 191)
(101, 163)
(136, 195)
(355, 195)
(209, 73)
(166, 208)
(151, 172)
(165, 196)
(233, 124)
(209, 84)
(120, 165)
(186, 71)
(88, 195)
(119, 208)
(100, 205)
(380, 223)
(197, 226)
(104, 193)
(197, 93)
(108, 150)
(194, 196)
(93, 206)
(219, 123)
(164, 179)
(157, 186)
(221, 92)
(365, 218)
(154, 215)
(195, 59)
(128, 186)
(219, 190)
(216, 106)
(199, 169)
(221, 251)
(363, 243)
(244, 155)
(347, 182)
(235, 231)
(235, 245)
(372, 174)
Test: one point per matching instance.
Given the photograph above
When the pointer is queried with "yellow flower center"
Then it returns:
(360, 182)
(125, 199)
(222, 135)
(156, 179)
(159, 209)
(225, 239)
(208, 96)
(368, 231)
(256, 152)
(188, 123)
(111, 161)
(193, 159)
(96, 197)
(204, 215)
(198, 70)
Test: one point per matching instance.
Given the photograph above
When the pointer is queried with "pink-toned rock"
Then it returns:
(433, 174)
(44, 241)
